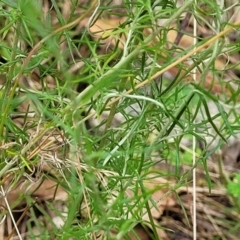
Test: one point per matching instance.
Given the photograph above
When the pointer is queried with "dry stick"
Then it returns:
(184, 24)
(19, 220)
(181, 59)
(194, 205)
(42, 145)
(10, 212)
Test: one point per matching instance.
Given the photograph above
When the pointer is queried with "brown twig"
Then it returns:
(183, 25)
(19, 220)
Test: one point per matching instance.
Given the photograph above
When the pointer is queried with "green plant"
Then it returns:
(88, 110)
(233, 186)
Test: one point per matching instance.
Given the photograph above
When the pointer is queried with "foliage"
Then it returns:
(233, 186)
(95, 95)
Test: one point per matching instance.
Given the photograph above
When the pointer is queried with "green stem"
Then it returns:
(107, 78)
(6, 103)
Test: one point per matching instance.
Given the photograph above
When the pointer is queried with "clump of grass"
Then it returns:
(105, 114)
